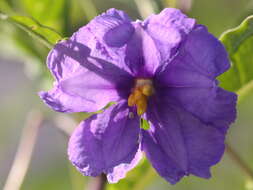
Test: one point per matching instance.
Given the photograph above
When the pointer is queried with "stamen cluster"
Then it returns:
(140, 93)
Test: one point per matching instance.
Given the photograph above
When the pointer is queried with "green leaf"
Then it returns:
(51, 13)
(239, 45)
(44, 34)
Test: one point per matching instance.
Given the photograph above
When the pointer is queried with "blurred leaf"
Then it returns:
(44, 34)
(239, 45)
(4, 6)
(170, 3)
(89, 8)
(27, 45)
(249, 185)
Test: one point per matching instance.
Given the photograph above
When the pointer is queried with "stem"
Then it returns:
(97, 183)
(65, 124)
(24, 152)
(239, 161)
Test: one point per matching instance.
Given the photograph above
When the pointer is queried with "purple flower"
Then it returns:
(164, 70)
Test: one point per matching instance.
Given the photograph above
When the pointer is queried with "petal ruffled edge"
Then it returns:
(168, 29)
(106, 143)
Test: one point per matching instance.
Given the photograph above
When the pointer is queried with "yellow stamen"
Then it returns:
(147, 90)
(131, 100)
(139, 96)
(141, 105)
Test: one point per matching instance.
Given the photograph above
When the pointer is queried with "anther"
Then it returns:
(141, 105)
(147, 90)
(139, 96)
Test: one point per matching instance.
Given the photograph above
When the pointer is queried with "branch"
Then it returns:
(239, 161)
(97, 183)
(24, 152)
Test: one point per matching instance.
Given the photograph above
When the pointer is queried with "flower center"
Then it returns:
(139, 96)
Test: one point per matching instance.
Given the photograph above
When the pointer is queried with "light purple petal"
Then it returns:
(142, 56)
(120, 171)
(179, 144)
(113, 27)
(62, 102)
(106, 36)
(168, 29)
(89, 67)
(90, 82)
(106, 143)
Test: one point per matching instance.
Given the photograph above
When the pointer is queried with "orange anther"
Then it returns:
(131, 100)
(139, 96)
(141, 105)
(147, 90)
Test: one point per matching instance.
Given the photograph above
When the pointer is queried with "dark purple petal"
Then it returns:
(168, 29)
(205, 52)
(189, 80)
(164, 146)
(180, 73)
(213, 106)
(201, 54)
(106, 143)
(179, 144)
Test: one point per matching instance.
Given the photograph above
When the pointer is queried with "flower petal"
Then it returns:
(106, 143)
(120, 171)
(91, 82)
(142, 56)
(168, 29)
(106, 36)
(190, 81)
(179, 144)
(62, 102)
(213, 106)
(201, 54)
(205, 52)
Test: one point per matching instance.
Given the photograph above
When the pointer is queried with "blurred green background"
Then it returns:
(23, 73)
